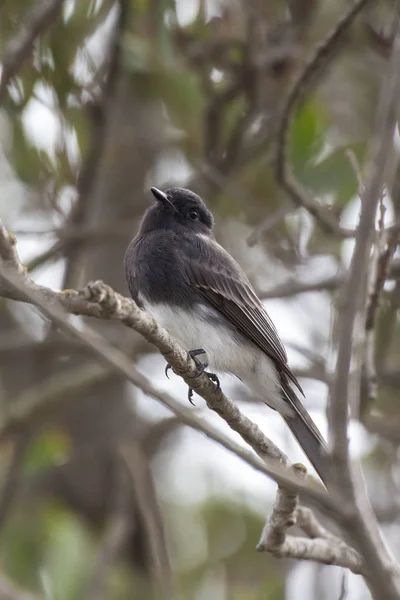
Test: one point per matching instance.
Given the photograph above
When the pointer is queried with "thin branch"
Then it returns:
(11, 479)
(51, 254)
(306, 520)
(281, 517)
(37, 405)
(368, 387)
(381, 146)
(362, 524)
(117, 531)
(41, 17)
(322, 551)
(323, 53)
(149, 516)
(292, 287)
(324, 547)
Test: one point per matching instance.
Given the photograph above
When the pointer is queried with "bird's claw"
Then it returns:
(214, 378)
(190, 396)
(167, 368)
(201, 368)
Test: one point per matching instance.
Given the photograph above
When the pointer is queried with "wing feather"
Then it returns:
(223, 283)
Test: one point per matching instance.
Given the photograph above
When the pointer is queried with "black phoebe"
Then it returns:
(182, 277)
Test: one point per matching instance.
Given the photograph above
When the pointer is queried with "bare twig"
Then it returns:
(293, 287)
(369, 375)
(43, 15)
(306, 520)
(300, 196)
(37, 405)
(330, 549)
(284, 514)
(281, 517)
(323, 551)
(52, 253)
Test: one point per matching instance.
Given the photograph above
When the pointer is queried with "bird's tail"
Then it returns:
(306, 432)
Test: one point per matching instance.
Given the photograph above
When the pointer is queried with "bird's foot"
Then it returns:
(201, 368)
(200, 364)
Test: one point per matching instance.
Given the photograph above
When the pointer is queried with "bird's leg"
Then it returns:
(201, 365)
(201, 368)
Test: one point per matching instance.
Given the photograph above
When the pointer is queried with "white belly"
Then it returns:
(195, 329)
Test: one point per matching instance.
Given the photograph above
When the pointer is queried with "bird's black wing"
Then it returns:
(223, 284)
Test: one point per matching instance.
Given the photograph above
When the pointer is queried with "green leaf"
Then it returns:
(47, 449)
(334, 175)
(69, 555)
(306, 135)
(26, 159)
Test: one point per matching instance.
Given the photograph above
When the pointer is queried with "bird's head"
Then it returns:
(178, 209)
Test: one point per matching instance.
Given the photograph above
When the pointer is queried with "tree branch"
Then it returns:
(38, 20)
(323, 546)
(320, 550)
(300, 196)
(368, 386)
(117, 532)
(362, 525)
(281, 517)
(292, 287)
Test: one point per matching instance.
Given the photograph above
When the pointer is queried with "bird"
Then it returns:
(178, 273)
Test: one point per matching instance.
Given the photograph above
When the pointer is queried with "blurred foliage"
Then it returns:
(221, 89)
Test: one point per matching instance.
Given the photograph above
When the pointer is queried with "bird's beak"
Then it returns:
(162, 198)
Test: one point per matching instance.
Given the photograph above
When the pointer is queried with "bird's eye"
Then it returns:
(193, 215)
